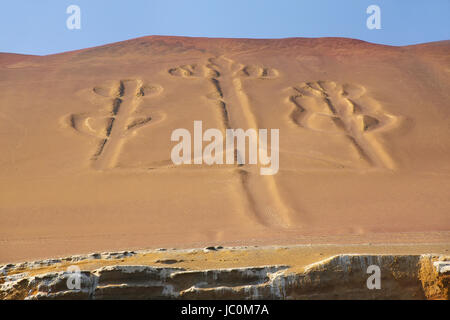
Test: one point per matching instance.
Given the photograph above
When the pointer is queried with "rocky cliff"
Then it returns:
(337, 277)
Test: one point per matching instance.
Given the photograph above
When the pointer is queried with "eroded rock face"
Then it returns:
(339, 277)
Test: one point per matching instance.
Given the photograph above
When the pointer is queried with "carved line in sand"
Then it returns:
(119, 120)
(330, 107)
(226, 77)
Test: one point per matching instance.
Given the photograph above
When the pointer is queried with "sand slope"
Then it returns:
(85, 145)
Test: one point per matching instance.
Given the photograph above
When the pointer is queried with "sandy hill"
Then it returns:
(85, 163)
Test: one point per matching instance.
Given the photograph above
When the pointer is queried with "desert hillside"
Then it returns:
(85, 141)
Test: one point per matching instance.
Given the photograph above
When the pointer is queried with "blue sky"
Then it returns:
(39, 26)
